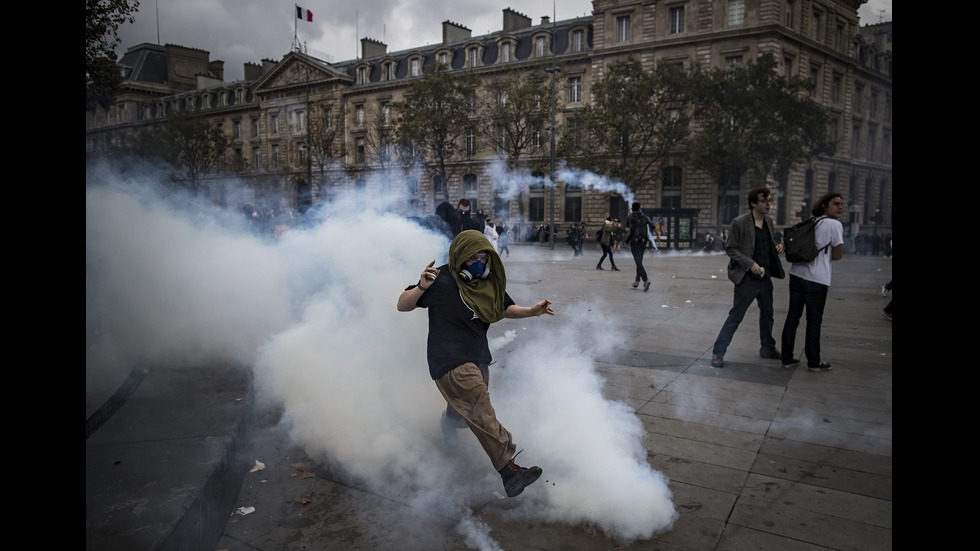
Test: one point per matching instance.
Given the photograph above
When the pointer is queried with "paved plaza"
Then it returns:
(757, 456)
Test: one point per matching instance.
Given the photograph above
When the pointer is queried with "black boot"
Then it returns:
(516, 478)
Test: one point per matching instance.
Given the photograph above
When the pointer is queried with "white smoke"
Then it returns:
(313, 313)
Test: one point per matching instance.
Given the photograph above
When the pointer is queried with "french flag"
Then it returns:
(305, 15)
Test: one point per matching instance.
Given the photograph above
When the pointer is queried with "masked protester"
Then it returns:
(463, 298)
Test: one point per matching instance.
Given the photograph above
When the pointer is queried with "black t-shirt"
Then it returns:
(456, 333)
(762, 254)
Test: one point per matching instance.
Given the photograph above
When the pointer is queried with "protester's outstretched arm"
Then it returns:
(515, 311)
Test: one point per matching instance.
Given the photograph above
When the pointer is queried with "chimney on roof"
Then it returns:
(454, 32)
(515, 21)
(217, 68)
(372, 48)
(545, 19)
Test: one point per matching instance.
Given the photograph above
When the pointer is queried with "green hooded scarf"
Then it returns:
(484, 296)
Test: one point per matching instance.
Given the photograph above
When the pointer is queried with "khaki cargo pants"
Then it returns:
(465, 389)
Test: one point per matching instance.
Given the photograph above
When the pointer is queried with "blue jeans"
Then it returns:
(751, 289)
(812, 297)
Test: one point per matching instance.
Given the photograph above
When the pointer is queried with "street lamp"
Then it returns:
(554, 70)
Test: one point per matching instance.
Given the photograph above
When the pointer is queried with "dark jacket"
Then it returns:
(741, 245)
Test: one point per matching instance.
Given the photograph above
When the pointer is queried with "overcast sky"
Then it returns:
(240, 31)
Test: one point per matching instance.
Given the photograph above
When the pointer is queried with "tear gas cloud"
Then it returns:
(509, 183)
(313, 314)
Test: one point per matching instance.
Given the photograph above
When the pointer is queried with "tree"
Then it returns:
(636, 119)
(515, 116)
(102, 20)
(326, 147)
(755, 123)
(187, 142)
(431, 122)
(516, 112)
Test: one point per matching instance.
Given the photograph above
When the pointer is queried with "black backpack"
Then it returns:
(800, 241)
(638, 231)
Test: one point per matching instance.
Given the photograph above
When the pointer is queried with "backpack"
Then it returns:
(598, 236)
(638, 230)
(800, 241)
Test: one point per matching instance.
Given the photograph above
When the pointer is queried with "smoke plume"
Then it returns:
(312, 313)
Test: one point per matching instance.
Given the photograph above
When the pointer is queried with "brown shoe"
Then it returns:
(717, 361)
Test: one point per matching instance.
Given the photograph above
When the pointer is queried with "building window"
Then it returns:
(859, 98)
(788, 67)
(275, 155)
(854, 141)
(273, 124)
(300, 121)
(359, 115)
(388, 71)
(502, 98)
(873, 106)
(815, 77)
(736, 12)
(444, 58)
(362, 75)
(835, 92)
(574, 89)
(573, 208)
(733, 62)
(839, 38)
(790, 8)
(872, 135)
(414, 64)
(385, 112)
(671, 190)
(535, 210)
(469, 186)
(505, 52)
(470, 142)
(578, 40)
(238, 130)
(815, 27)
(255, 159)
(255, 128)
(677, 20)
(539, 47)
(438, 184)
(623, 28)
(474, 55)
(359, 150)
(301, 150)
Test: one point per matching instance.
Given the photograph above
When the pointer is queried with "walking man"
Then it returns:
(754, 261)
(606, 240)
(809, 283)
(636, 228)
(463, 298)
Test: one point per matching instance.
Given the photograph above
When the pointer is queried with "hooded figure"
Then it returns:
(485, 296)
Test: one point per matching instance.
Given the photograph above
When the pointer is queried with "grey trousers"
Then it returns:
(465, 389)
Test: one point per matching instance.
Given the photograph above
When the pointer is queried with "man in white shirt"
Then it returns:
(809, 283)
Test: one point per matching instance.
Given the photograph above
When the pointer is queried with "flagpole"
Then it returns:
(295, 23)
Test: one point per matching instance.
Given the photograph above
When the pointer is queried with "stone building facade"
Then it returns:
(268, 114)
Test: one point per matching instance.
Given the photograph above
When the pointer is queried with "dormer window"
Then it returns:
(505, 52)
(578, 40)
(472, 56)
(540, 46)
(388, 71)
(362, 75)
(443, 57)
(415, 67)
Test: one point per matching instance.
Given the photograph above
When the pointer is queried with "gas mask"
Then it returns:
(475, 271)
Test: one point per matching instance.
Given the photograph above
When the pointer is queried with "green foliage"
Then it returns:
(753, 121)
(635, 120)
(186, 142)
(431, 122)
(516, 112)
(102, 20)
